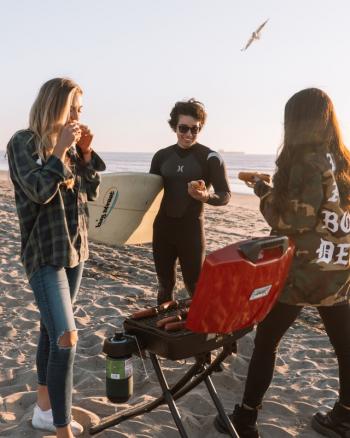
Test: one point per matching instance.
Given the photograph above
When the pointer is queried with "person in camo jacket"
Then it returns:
(310, 202)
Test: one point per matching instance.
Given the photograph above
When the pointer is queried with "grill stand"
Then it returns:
(201, 372)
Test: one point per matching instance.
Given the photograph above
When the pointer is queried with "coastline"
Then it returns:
(239, 199)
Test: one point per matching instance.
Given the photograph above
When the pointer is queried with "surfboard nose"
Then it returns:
(125, 209)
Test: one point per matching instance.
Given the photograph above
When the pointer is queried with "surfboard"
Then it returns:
(125, 209)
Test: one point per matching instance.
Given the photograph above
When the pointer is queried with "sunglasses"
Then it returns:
(184, 129)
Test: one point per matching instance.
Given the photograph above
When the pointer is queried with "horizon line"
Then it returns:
(153, 152)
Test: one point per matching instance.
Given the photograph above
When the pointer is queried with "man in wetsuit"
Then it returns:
(188, 170)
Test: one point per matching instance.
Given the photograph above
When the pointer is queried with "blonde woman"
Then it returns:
(54, 171)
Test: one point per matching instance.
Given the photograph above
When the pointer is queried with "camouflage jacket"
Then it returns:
(320, 229)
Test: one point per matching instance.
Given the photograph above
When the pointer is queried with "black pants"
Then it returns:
(336, 320)
(177, 238)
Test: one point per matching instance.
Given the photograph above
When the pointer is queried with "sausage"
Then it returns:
(253, 176)
(146, 313)
(162, 322)
(198, 184)
(175, 326)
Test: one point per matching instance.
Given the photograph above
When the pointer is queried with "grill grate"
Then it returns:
(151, 322)
(178, 344)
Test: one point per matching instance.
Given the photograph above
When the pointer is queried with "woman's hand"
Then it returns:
(198, 190)
(84, 142)
(251, 183)
(69, 135)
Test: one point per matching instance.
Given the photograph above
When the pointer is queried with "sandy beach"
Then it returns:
(120, 280)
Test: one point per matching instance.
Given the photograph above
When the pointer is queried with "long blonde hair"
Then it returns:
(50, 111)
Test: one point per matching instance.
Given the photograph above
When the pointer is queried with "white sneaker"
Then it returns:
(44, 420)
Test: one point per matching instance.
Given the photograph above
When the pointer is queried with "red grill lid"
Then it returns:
(239, 284)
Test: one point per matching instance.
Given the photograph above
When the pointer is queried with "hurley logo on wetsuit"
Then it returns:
(180, 168)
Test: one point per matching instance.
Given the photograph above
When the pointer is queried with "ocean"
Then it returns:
(140, 162)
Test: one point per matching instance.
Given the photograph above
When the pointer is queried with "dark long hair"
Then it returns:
(310, 123)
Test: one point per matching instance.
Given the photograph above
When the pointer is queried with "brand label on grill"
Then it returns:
(260, 292)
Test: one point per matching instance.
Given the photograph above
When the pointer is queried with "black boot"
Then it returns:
(243, 420)
(334, 424)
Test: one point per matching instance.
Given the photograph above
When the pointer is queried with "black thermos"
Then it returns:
(119, 368)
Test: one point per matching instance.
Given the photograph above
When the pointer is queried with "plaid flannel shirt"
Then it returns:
(53, 219)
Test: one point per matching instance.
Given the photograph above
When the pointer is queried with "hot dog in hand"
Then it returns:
(253, 177)
(198, 185)
(198, 190)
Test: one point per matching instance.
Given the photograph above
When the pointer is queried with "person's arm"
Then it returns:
(155, 164)
(304, 199)
(219, 181)
(40, 181)
(89, 170)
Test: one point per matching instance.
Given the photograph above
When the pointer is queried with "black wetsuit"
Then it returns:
(178, 228)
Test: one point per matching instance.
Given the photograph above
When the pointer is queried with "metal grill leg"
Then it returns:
(180, 388)
(219, 407)
(168, 396)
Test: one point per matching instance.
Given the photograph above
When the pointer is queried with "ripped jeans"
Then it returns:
(55, 290)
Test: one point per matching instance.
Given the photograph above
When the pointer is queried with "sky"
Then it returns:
(134, 59)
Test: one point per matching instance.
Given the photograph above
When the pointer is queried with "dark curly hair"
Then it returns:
(192, 108)
(310, 123)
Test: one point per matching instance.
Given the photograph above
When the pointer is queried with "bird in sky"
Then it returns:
(255, 36)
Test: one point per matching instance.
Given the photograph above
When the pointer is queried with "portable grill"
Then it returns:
(178, 344)
(267, 260)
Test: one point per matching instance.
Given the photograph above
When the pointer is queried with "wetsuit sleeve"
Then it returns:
(155, 164)
(218, 179)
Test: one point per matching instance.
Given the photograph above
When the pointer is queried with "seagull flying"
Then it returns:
(255, 36)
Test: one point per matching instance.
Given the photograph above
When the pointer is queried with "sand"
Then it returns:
(120, 280)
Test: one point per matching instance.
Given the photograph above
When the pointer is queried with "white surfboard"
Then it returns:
(125, 208)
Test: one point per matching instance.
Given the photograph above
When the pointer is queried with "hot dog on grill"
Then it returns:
(175, 326)
(252, 177)
(162, 322)
(146, 313)
(153, 311)
(174, 318)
